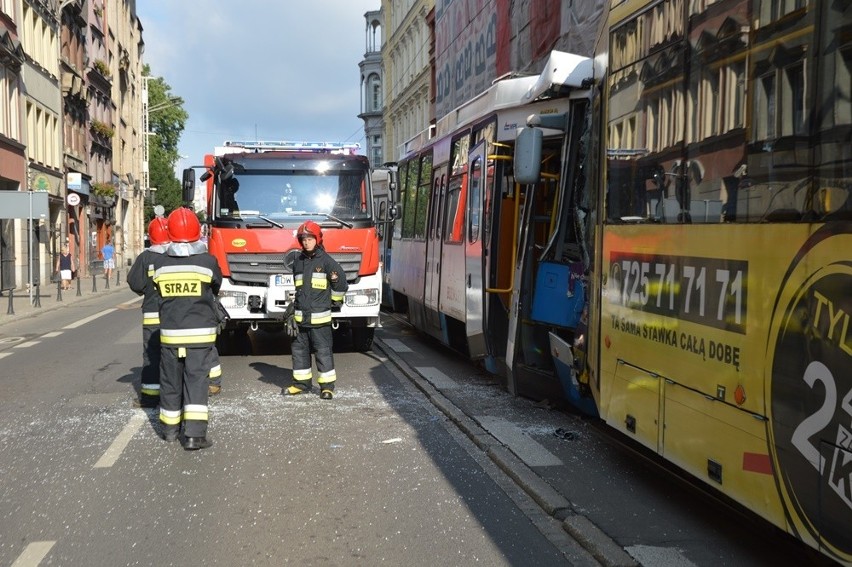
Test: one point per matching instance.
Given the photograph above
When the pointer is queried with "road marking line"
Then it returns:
(436, 377)
(5, 354)
(397, 345)
(33, 554)
(26, 344)
(130, 303)
(89, 319)
(51, 334)
(525, 447)
(113, 452)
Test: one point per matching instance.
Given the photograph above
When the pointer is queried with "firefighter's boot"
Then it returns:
(170, 433)
(195, 443)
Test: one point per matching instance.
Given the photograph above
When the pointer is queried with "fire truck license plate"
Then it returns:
(283, 279)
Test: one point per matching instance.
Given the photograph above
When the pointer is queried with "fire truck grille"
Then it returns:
(255, 269)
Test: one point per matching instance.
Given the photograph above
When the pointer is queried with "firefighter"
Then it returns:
(140, 279)
(320, 286)
(188, 279)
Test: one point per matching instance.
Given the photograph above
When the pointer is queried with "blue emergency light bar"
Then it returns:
(286, 145)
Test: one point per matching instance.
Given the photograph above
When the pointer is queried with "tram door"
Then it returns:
(434, 238)
(474, 298)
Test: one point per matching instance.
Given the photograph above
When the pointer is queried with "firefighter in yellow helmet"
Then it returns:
(140, 278)
(320, 285)
(188, 279)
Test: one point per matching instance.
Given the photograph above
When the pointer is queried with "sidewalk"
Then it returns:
(16, 305)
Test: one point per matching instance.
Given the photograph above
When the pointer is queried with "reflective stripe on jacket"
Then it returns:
(187, 287)
(314, 296)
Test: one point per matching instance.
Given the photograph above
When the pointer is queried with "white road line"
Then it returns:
(397, 345)
(26, 344)
(51, 334)
(131, 302)
(5, 354)
(525, 447)
(436, 377)
(113, 452)
(33, 554)
(82, 322)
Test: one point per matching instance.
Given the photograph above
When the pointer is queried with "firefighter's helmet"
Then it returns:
(310, 228)
(184, 226)
(158, 231)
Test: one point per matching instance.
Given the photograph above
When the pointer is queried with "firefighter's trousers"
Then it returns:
(215, 367)
(320, 341)
(183, 388)
(150, 390)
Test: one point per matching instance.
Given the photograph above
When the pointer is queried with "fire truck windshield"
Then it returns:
(279, 194)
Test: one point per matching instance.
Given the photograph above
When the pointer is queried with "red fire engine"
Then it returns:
(258, 193)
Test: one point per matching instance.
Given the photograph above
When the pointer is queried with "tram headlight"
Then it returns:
(232, 299)
(362, 298)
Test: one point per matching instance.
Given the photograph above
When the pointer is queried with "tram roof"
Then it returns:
(562, 71)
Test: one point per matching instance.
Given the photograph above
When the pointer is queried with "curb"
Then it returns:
(585, 533)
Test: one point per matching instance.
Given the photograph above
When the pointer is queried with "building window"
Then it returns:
(794, 100)
(766, 110)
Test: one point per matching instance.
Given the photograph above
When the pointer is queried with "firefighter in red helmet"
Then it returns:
(320, 286)
(140, 279)
(188, 279)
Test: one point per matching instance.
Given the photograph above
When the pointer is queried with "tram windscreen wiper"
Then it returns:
(326, 215)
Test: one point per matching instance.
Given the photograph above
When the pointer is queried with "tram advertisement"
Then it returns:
(809, 382)
(764, 310)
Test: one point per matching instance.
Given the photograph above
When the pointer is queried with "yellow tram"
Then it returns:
(721, 288)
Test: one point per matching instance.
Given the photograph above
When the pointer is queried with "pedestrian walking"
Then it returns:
(320, 286)
(140, 278)
(65, 267)
(108, 252)
(188, 279)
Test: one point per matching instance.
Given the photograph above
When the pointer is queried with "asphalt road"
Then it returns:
(376, 476)
(421, 458)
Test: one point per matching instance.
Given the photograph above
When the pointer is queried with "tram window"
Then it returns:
(455, 208)
(401, 176)
(409, 210)
(422, 205)
(434, 221)
(475, 204)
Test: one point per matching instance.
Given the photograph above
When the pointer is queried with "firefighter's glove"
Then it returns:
(290, 327)
(335, 305)
(222, 316)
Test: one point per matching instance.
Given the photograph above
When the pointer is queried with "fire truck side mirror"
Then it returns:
(188, 185)
(528, 156)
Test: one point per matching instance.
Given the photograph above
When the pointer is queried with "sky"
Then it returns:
(259, 69)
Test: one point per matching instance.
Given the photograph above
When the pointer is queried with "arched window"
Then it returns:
(374, 93)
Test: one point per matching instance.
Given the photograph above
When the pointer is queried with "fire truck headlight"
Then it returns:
(232, 299)
(362, 298)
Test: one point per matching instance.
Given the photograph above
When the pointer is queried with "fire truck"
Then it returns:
(257, 195)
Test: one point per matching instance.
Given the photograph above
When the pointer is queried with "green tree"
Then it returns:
(166, 121)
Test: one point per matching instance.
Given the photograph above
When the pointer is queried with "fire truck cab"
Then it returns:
(257, 195)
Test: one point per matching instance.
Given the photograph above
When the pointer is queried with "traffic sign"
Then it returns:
(73, 199)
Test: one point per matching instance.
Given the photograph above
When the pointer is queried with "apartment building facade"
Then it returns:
(70, 127)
